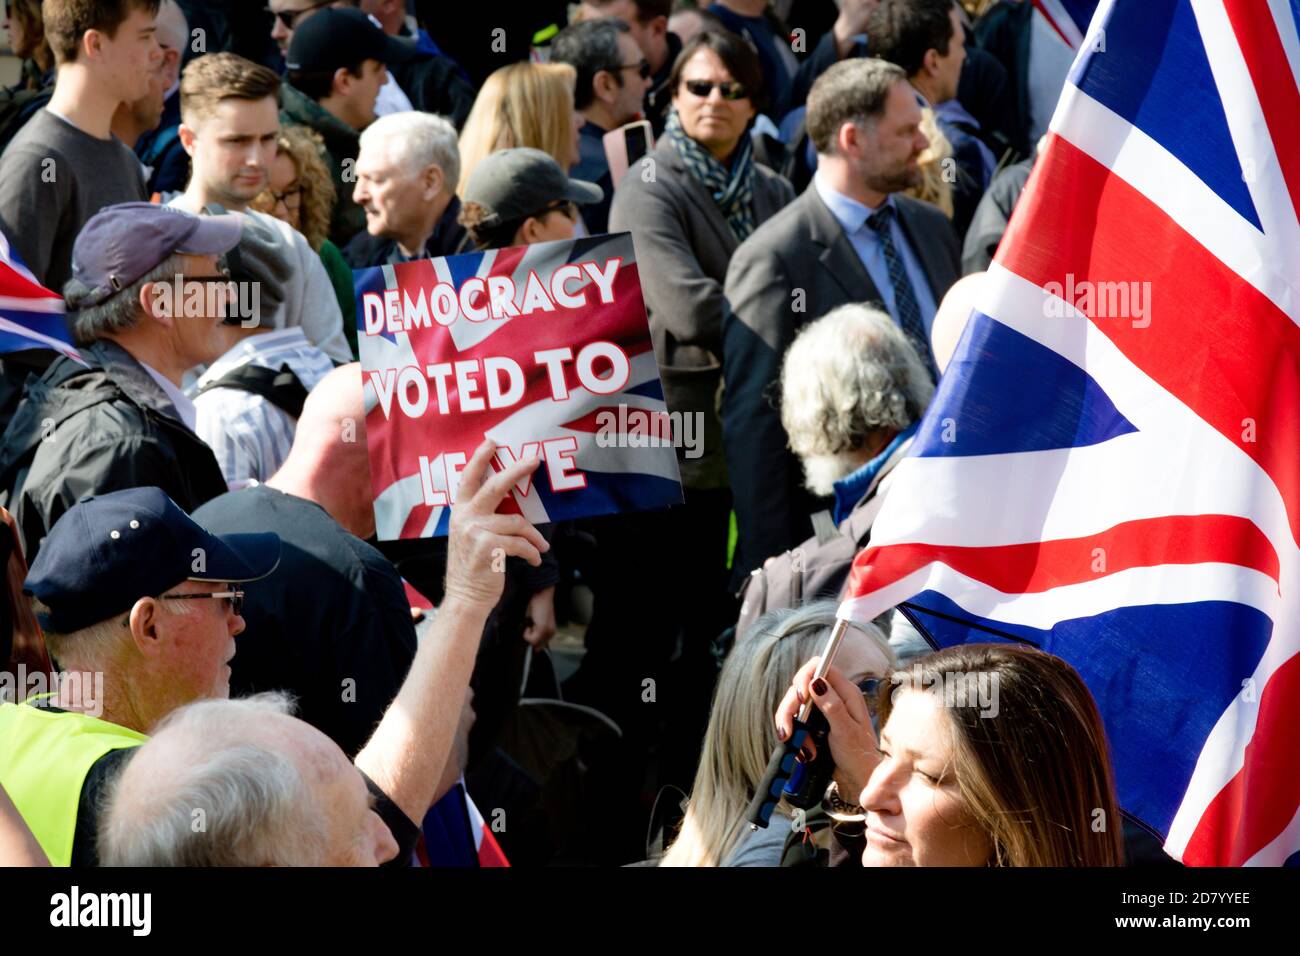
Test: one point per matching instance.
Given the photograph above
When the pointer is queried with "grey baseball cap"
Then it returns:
(517, 183)
(121, 243)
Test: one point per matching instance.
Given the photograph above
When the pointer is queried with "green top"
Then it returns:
(336, 268)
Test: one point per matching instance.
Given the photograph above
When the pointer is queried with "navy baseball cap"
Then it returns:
(121, 243)
(108, 551)
(338, 38)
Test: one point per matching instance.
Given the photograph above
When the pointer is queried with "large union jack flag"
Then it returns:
(31, 316)
(1121, 485)
(619, 473)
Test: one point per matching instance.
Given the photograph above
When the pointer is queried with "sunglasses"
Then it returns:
(289, 18)
(568, 207)
(236, 598)
(731, 90)
(642, 68)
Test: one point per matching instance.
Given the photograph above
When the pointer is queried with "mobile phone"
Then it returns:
(625, 145)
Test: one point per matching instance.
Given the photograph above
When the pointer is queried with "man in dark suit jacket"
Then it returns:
(847, 238)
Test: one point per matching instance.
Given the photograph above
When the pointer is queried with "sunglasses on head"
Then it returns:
(731, 90)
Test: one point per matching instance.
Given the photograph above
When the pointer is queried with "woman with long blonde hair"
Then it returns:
(741, 736)
(523, 104)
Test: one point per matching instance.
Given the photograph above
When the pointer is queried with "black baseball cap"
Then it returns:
(517, 183)
(121, 243)
(108, 551)
(333, 39)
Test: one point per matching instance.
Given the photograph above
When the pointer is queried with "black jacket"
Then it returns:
(86, 431)
(1004, 31)
(449, 238)
(434, 84)
(992, 215)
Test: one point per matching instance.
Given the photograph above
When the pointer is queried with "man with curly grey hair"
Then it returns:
(853, 390)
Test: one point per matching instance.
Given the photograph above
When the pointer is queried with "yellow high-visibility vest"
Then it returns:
(44, 758)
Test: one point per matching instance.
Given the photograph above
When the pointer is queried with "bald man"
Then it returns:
(953, 313)
(332, 624)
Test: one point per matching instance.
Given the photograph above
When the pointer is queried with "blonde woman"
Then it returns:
(938, 168)
(741, 736)
(523, 104)
(299, 191)
(988, 755)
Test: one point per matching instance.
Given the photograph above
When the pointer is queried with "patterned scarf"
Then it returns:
(732, 188)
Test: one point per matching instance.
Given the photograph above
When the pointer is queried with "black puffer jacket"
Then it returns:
(86, 431)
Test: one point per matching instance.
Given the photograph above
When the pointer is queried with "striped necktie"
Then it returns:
(908, 312)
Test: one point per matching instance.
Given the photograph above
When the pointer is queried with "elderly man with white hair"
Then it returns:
(407, 170)
(853, 390)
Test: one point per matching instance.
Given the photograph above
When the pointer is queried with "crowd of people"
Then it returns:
(188, 505)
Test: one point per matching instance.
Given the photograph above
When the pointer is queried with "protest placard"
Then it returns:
(546, 350)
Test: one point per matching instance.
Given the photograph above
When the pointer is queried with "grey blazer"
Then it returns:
(803, 249)
(683, 245)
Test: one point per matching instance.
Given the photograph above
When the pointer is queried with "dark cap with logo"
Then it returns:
(517, 183)
(108, 551)
(121, 243)
(334, 39)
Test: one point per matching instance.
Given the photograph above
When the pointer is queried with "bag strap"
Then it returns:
(281, 388)
(824, 528)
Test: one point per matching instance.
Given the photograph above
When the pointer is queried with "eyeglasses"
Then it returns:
(565, 206)
(642, 68)
(236, 598)
(221, 278)
(292, 198)
(290, 17)
(731, 90)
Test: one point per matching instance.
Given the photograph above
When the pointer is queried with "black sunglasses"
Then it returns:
(731, 90)
(290, 17)
(235, 597)
(566, 206)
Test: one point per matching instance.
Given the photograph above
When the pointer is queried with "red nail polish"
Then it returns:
(819, 687)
